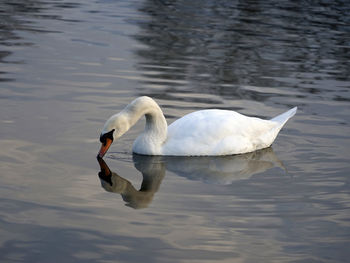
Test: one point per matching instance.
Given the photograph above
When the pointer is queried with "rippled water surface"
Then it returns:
(66, 66)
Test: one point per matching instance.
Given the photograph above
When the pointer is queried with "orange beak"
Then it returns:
(104, 148)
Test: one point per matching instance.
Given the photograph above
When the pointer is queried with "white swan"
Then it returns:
(201, 133)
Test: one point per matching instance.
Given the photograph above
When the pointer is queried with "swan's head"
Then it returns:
(114, 128)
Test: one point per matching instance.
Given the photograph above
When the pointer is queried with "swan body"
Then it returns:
(202, 133)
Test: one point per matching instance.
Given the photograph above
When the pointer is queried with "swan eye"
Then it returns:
(103, 139)
(109, 135)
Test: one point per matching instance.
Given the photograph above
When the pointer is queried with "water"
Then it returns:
(67, 66)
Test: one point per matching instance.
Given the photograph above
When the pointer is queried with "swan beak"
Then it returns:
(104, 148)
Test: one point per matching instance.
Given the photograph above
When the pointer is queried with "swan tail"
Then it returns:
(284, 117)
(269, 137)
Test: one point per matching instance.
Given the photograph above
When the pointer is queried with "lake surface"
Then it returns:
(66, 66)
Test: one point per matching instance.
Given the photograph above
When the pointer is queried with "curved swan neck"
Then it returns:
(148, 107)
(155, 132)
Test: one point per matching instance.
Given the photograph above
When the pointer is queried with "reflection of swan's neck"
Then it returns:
(133, 197)
(155, 132)
(153, 171)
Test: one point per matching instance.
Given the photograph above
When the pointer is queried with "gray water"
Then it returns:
(66, 66)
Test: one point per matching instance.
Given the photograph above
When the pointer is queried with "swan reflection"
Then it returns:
(222, 170)
(153, 173)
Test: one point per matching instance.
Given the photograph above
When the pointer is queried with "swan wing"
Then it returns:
(217, 132)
